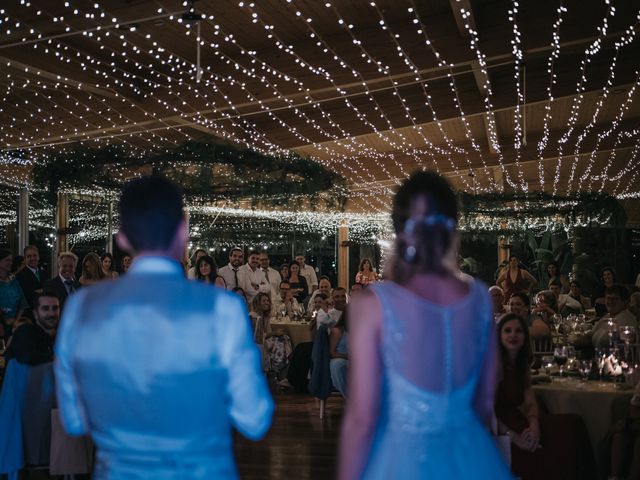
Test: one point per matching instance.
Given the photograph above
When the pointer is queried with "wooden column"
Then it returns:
(343, 256)
(109, 244)
(62, 226)
(23, 220)
(503, 249)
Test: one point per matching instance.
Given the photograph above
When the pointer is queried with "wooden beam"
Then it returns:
(23, 67)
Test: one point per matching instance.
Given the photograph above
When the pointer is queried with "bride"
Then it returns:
(422, 354)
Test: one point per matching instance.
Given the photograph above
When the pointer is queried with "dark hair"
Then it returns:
(17, 260)
(576, 283)
(30, 247)
(321, 296)
(235, 249)
(284, 281)
(338, 289)
(4, 253)
(620, 290)
(45, 294)
(421, 243)
(525, 355)
(292, 264)
(608, 269)
(555, 283)
(555, 264)
(513, 256)
(522, 296)
(214, 268)
(254, 252)
(106, 255)
(150, 212)
(550, 299)
(364, 260)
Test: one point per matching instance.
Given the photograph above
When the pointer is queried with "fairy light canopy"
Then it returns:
(502, 96)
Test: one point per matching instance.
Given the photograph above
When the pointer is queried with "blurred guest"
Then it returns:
(356, 287)
(91, 270)
(106, 259)
(366, 275)
(240, 292)
(575, 292)
(284, 271)
(497, 299)
(339, 306)
(566, 304)
(339, 354)
(607, 279)
(618, 316)
(125, 263)
(64, 283)
(12, 300)
(31, 278)
(515, 279)
(192, 273)
(308, 272)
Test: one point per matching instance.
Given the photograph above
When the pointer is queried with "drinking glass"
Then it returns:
(560, 357)
(585, 369)
(547, 363)
(557, 323)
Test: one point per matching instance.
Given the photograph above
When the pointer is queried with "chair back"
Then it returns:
(542, 346)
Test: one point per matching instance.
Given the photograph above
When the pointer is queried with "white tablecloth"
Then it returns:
(298, 332)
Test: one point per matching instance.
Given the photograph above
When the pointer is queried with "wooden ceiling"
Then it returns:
(374, 90)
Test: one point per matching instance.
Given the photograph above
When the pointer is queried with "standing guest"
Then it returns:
(607, 279)
(192, 274)
(339, 354)
(308, 272)
(230, 272)
(366, 275)
(171, 417)
(324, 286)
(284, 271)
(32, 343)
(252, 278)
(31, 277)
(298, 283)
(205, 269)
(12, 300)
(271, 274)
(65, 283)
(125, 263)
(404, 418)
(91, 270)
(554, 275)
(515, 279)
(497, 299)
(106, 259)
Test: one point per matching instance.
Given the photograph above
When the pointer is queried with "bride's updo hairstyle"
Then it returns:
(424, 216)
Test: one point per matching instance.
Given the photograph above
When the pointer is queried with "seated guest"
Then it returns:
(32, 343)
(276, 346)
(546, 307)
(339, 301)
(618, 316)
(625, 443)
(207, 271)
(324, 286)
(497, 299)
(91, 270)
(285, 304)
(566, 303)
(339, 354)
(575, 292)
(520, 305)
(542, 448)
(607, 279)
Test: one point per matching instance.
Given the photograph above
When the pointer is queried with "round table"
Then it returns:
(599, 405)
(298, 332)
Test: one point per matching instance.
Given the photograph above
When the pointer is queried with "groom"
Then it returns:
(156, 368)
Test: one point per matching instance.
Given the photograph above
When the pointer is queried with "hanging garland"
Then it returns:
(206, 170)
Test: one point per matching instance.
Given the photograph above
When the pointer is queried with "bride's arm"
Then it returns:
(486, 389)
(365, 385)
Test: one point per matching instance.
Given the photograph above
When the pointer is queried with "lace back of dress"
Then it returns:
(436, 348)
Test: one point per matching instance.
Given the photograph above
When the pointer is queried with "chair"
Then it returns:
(320, 383)
(542, 346)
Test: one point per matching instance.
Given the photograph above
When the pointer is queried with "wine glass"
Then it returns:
(547, 363)
(557, 322)
(560, 357)
(585, 369)
(571, 356)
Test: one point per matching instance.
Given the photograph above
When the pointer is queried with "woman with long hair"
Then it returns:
(91, 269)
(206, 271)
(422, 355)
(106, 260)
(297, 282)
(365, 274)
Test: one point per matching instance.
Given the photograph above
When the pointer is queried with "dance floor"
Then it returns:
(299, 445)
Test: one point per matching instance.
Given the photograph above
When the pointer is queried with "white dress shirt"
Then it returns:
(274, 279)
(227, 272)
(247, 277)
(309, 274)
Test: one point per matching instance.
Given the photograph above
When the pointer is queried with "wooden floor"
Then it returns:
(298, 446)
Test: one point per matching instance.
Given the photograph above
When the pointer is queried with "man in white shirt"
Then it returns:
(230, 272)
(284, 303)
(339, 299)
(252, 279)
(272, 275)
(616, 300)
(308, 272)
